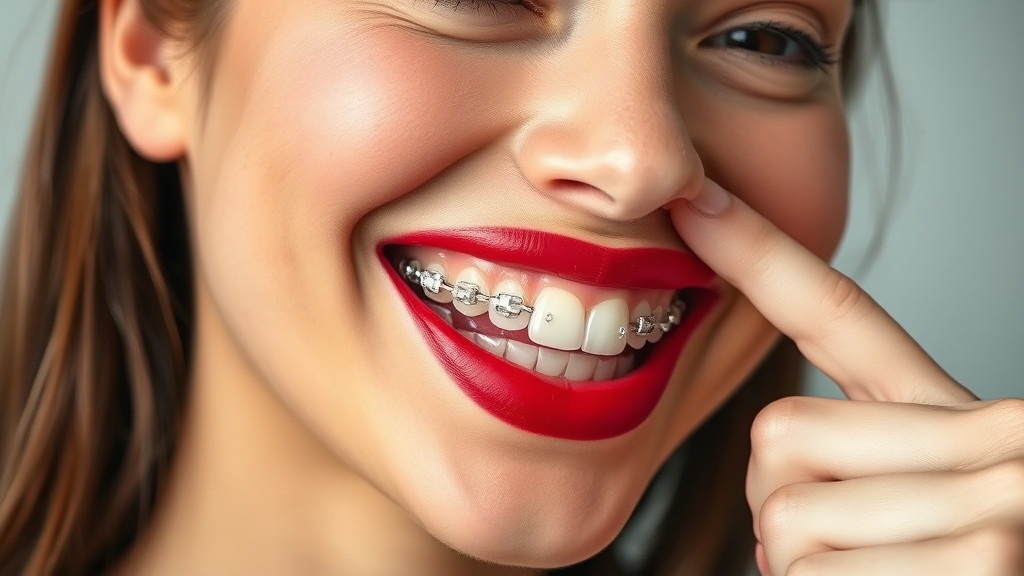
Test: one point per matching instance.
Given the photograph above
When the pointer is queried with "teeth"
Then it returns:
(656, 335)
(557, 320)
(551, 362)
(581, 367)
(605, 369)
(496, 346)
(624, 365)
(521, 354)
(443, 312)
(607, 328)
(495, 315)
(676, 312)
(432, 287)
(574, 366)
(468, 285)
(642, 310)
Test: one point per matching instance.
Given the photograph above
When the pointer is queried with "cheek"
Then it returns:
(346, 130)
(307, 133)
(793, 168)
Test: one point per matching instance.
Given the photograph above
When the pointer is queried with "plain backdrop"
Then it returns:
(952, 269)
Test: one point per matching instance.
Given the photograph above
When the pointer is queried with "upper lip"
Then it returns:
(570, 258)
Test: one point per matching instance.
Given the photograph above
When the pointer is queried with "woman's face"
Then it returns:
(338, 134)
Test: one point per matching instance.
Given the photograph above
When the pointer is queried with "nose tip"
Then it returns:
(607, 135)
(620, 169)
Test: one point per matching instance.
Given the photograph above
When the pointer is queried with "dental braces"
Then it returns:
(512, 305)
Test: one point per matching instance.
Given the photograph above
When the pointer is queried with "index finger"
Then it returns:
(837, 326)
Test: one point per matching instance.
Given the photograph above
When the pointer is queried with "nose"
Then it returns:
(607, 136)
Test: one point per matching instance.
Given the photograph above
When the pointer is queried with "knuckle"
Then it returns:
(1006, 418)
(774, 425)
(766, 241)
(806, 566)
(842, 298)
(780, 514)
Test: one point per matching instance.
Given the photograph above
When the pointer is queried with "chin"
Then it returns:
(521, 525)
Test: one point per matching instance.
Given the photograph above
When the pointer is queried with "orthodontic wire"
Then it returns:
(511, 305)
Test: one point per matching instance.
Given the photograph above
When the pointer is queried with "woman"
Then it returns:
(403, 287)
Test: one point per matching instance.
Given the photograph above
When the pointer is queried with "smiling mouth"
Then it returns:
(550, 334)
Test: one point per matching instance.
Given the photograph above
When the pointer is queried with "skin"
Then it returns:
(913, 475)
(309, 449)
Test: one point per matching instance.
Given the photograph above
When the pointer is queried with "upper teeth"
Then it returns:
(557, 318)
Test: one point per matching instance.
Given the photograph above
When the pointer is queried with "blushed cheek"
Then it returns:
(814, 180)
(791, 168)
(347, 129)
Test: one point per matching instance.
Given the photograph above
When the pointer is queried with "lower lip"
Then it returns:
(554, 407)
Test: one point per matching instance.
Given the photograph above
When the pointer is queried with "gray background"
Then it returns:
(951, 271)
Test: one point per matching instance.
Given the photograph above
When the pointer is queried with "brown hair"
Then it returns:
(95, 317)
(95, 326)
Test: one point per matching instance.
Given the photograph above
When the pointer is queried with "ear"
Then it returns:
(138, 79)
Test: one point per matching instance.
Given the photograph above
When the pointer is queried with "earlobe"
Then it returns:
(137, 78)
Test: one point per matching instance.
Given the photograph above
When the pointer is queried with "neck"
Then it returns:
(252, 491)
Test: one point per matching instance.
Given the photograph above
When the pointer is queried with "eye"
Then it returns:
(778, 43)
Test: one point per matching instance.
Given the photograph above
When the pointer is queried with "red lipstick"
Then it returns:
(557, 407)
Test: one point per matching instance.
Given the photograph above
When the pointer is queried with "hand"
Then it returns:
(912, 476)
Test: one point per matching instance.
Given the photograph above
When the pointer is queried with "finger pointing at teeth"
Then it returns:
(837, 326)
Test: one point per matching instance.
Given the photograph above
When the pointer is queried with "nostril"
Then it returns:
(574, 186)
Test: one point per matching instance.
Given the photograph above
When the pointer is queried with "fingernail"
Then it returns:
(712, 200)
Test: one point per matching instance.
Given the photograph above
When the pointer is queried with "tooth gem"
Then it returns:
(508, 305)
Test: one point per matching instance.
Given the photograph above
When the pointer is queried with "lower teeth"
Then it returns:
(575, 366)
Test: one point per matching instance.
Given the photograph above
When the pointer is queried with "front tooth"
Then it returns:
(551, 362)
(522, 354)
(493, 345)
(581, 367)
(659, 315)
(557, 320)
(605, 369)
(443, 296)
(605, 325)
(517, 323)
(468, 284)
(634, 339)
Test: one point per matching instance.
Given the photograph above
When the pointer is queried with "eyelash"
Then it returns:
(816, 54)
(493, 5)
